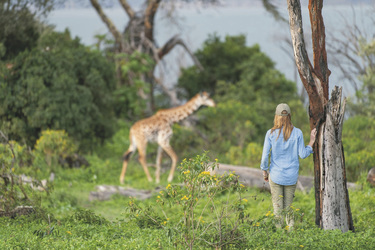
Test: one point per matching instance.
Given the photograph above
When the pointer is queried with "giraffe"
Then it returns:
(158, 128)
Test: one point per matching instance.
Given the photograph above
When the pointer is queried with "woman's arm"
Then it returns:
(266, 152)
(265, 155)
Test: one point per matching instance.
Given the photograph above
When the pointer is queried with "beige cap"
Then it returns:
(281, 107)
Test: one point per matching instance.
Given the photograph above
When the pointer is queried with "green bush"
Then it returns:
(54, 145)
(249, 156)
(23, 156)
(357, 138)
(59, 85)
(221, 61)
(87, 216)
(13, 192)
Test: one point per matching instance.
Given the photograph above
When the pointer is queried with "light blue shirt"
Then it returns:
(284, 164)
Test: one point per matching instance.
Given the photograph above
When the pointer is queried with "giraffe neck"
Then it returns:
(181, 112)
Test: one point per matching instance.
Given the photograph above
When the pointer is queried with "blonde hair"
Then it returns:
(284, 123)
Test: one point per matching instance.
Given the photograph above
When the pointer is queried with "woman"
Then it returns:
(286, 143)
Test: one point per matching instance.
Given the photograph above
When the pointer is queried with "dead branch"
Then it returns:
(171, 43)
(112, 28)
(150, 12)
(127, 8)
(319, 44)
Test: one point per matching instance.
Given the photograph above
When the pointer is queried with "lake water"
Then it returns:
(255, 23)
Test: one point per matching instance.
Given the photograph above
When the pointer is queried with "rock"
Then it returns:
(371, 177)
(105, 192)
(253, 177)
(52, 177)
(26, 180)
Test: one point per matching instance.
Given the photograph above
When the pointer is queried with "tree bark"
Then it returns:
(332, 207)
(336, 212)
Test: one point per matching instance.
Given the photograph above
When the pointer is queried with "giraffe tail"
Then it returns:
(132, 148)
(127, 155)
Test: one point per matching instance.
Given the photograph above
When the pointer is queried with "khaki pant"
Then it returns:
(282, 198)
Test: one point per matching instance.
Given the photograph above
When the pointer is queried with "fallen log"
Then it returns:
(253, 177)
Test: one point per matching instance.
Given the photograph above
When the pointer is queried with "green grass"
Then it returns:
(77, 223)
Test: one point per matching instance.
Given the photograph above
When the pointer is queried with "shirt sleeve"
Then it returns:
(266, 152)
(303, 151)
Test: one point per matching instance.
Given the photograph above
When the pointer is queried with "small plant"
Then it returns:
(88, 217)
(41, 233)
(203, 215)
(145, 217)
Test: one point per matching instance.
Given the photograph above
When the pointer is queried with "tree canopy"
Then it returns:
(20, 24)
(60, 84)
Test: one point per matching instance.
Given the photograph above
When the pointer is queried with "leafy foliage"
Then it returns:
(19, 31)
(88, 217)
(13, 192)
(220, 60)
(358, 137)
(20, 24)
(59, 85)
(51, 148)
(128, 103)
(365, 97)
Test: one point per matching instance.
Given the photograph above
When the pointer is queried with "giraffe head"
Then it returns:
(206, 100)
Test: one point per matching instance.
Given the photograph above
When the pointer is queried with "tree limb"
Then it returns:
(171, 43)
(271, 8)
(319, 44)
(170, 92)
(112, 28)
(150, 11)
(300, 54)
(312, 83)
(127, 8)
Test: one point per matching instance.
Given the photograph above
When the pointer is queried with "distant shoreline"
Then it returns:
(114, 4)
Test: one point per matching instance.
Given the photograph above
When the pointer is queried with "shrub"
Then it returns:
(52, 146)
(60, 85)
(250, 156)
(357, 139)
(13, 192)
(88, 217)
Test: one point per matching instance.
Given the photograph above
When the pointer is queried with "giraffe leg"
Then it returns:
(142, 160)
(126, 158)
(168, 149)
(158, 164)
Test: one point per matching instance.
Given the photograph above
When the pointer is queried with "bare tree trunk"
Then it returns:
(336, 213)
(332, 208)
